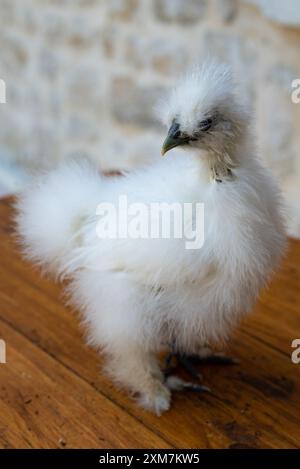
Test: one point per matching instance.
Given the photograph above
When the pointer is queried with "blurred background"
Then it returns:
(82, 77)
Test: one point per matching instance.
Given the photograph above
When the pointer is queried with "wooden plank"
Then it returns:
(49, 324)
(254, 405)
(43, 404)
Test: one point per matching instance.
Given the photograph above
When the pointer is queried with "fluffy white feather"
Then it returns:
(137, 296)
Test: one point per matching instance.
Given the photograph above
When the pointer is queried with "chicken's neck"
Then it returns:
(219, 166)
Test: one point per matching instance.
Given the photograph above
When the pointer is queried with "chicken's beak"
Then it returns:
(173, 139)
(169, 143)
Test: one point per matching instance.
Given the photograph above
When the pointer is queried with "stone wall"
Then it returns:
(82, 77)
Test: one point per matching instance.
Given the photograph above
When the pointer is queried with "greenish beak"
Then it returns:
(173, 139)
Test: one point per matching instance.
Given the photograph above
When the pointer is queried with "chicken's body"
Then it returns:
(141, 295)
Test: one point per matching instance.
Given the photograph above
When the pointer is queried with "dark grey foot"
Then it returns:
(177, 384)
(181, 360)
(213, 359)
(188, 363)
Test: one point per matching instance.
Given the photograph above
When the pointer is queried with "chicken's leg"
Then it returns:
(138, 370)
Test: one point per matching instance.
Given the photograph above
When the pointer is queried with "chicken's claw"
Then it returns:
(213, 359)
(188, 363)
(177, 384)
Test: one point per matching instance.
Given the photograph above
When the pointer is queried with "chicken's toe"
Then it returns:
(177, 384)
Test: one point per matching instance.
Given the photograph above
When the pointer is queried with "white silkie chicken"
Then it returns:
(139, 296)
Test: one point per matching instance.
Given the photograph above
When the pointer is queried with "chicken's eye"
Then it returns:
(205, 125)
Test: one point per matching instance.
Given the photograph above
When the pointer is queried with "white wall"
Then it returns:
(82, 77)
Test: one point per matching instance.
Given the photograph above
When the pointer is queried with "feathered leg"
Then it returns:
(138, 370)
(111, 305)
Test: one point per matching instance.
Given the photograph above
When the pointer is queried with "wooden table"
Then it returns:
(53, 393)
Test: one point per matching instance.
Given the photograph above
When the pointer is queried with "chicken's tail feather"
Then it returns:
(50, 214)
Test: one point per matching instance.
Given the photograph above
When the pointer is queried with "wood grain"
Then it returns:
(53, 393)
